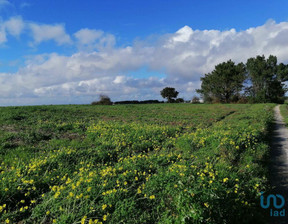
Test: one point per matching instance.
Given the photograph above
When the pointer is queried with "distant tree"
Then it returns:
(179, 100)
(195, 100)
(138, 102)
(224, 83)
(104, 100)
(267, 79)
(169, 93)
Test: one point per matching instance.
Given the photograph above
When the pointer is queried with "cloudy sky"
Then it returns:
(69, 52)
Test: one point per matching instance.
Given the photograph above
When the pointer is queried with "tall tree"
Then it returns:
(169, 93)
(224, 83)
(266, 79)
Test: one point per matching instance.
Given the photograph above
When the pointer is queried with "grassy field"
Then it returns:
(177, 163)
(284, 112)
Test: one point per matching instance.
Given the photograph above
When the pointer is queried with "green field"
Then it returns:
(284, 112)
(159, 163)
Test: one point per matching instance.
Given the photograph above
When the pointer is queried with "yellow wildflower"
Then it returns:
(152, 197)
(225, 179)
(83, 219)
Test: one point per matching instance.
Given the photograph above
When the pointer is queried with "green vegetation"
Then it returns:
(267, 79)
(224, 83)
(169, 93)
(161, 163)
(104, 100)
(284, 112)
(259, 81)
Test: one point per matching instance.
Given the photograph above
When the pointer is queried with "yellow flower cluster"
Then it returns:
(121, 161)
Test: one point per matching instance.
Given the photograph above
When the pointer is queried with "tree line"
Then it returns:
(260, 80)
(105, 100)
(168, 93)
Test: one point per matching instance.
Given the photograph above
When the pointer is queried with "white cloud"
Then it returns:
(182, 35)
(189, 53)
(119, 79)
(88, 36)
(183, 56)
(89, 39)
(106, 85)
(3, 37)
(46, 32)
(14, 26)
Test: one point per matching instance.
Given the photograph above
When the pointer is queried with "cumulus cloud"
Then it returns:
(89, 39)
(106, 85)
(88, 36)
(14, 26)
(46, 32)
(189, 53)
(183, 56)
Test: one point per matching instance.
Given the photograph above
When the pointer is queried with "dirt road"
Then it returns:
(279, 162)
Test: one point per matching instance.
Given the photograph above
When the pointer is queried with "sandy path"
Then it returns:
(279, 161)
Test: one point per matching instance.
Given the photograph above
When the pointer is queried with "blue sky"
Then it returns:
(57, 52)
(150, 16)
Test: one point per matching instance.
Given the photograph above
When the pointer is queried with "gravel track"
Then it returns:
(279, 162)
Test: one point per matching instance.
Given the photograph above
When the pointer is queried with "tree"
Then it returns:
(104, 100)
(224, 83)
(169, 93)
(195, 100)
(266, 79)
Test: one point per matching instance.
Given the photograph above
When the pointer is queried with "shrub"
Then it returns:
(104, 100)
(179, 100)
(195, 99)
